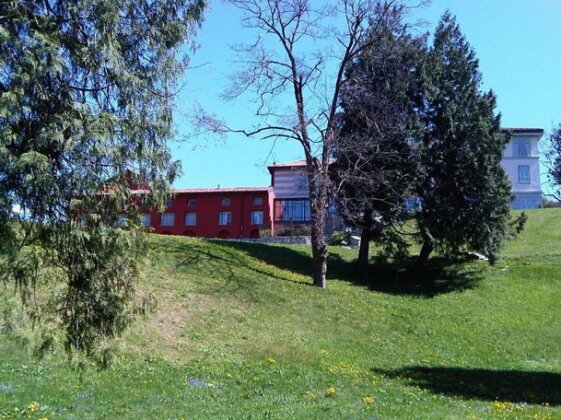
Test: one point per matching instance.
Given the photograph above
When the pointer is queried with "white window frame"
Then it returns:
(257, 217)
(523, 174)
(225, 218)
(168, 219)
(193, 215)
(522, 148)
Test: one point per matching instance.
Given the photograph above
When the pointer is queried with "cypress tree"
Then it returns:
(464, 190)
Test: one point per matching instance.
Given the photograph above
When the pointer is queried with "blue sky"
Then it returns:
(518, 44)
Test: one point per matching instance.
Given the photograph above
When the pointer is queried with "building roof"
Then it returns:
(523, 130)
(293, 164)
(288, 164)
(219, 190)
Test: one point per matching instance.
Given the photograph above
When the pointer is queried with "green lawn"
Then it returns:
(238, 332)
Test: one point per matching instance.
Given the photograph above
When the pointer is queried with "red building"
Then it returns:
(243, 212)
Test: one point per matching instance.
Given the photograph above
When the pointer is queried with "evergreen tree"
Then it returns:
(86, 89)
(464, 190)
(553, 155)
(376, 159)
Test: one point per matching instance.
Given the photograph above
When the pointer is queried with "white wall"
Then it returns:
(511, 169)
(510, 164)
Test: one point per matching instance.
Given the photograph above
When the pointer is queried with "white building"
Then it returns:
(521, 163)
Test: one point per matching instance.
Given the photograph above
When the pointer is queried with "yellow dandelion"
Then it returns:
(229, 375)
(330, 391)
(323, 351)
(368, 399)
(502, 405)
(32, 406)
(312, 394)
(271, 361)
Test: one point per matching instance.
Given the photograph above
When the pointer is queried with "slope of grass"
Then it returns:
(238, 332)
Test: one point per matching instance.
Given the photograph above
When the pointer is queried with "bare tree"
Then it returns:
(295, 68)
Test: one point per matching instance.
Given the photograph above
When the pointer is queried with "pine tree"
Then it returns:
(86, 90)
(376, 161)
(464, 190)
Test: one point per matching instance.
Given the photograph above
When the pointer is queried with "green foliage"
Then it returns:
(340, 238)
(553, 155)
(465, 191)
(86, 91)
(376, 154)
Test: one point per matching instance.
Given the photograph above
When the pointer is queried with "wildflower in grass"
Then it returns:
(32, 406)
(229, 375)
(502, 405)
(330, 391)
(312, 394)
(323, 351)
(368, 399)
(44, 418)
(271, 361)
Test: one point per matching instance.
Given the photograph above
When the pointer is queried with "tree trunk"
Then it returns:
(362, 262)
(425, 252)
(319, 254)
(319, 248)
(319, 212)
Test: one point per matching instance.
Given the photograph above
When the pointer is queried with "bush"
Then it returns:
(339, 237)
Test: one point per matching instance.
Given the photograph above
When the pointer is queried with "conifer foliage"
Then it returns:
(553, 155)
(376, 159)
(464, 190)
(86, 89)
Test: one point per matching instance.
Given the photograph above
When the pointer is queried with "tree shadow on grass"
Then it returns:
(438, 276)
(483, 384)
(223, 262)
(283, 257)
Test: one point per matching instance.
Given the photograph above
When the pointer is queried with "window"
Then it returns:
(523, 174)
(257, 217)
(301, 183)
(147, 219)
(191, 202)
(292, 210)
(257, 201)
(225, 201)
(521, 148)
(191, 219)
(145, 202)
(169, 203)
(225, 218)
(168, 219)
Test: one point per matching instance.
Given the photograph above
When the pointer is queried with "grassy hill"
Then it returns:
(238, 332)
